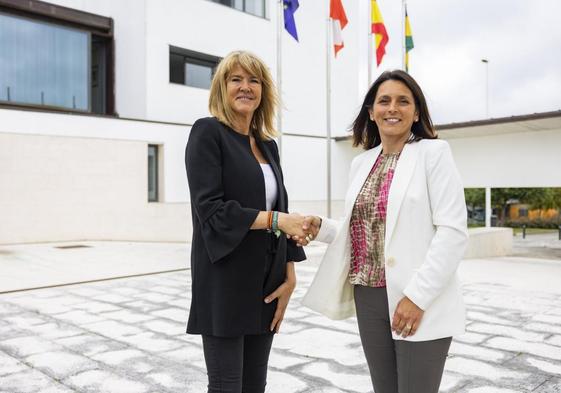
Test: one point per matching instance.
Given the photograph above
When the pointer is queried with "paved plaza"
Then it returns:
(127, 334)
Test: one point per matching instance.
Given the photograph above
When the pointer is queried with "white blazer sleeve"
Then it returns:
(449, 216)
(328, 230)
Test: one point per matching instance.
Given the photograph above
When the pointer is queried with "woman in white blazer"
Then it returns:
(393, 258)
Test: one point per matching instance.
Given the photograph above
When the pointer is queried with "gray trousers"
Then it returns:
(396, 366)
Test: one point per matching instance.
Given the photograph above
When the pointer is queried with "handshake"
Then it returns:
(301, 229)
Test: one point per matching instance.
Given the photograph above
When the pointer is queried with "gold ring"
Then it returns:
(408, 327)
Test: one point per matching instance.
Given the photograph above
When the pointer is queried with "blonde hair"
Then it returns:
(263, 117)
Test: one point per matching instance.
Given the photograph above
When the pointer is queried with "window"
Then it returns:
(523, 212)
(191, 68)
(51, 59)
(152, 173)
(254, 7)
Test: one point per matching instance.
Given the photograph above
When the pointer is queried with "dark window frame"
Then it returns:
(244, 8)
(156, 180)
(100, 27)
(191, 57)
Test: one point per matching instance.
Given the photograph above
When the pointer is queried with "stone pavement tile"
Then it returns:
(174, 313)
(341, 379)
(551, 386)
(544, 327)
(538, 349)
(510, 331)
(95, 307)
(86, 291)
(99, 381)
(116, 358)
(471, 338)
(126, 291)
(451, 383)
(10, 365)
(79, 317)
(112, 298)
(169, 290)
(284, 360)
(90, 344)
(151, 342)
(186, 354)
(289, 326)
(323, 344)
(143, 306)
(551, 319)
(28, 345)
(59, 364)
(7, 331)
(29, 381)
(345, 325)
(24, 320)
(54, 330)
(128, 316)
(491, 389)
(178, 380)
(490, 318)
(182, 303)
(478, 352)
(547, 367)
(112, 329)
(282, 382)
(554, 340)
(170, 328)
(496, 374)
(154, 297)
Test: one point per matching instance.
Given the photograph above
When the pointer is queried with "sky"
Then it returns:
(520, 39)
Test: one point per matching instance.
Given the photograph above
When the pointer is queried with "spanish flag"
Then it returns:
(379, 29)
(408, 40)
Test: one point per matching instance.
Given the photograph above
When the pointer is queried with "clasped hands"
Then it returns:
(301, 229)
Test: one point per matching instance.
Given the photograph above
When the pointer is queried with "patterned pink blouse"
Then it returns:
(368, 224)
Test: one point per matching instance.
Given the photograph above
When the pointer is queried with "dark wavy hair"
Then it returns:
(365, 131)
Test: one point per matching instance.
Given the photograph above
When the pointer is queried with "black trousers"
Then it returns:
(237, 364)
(396, 366)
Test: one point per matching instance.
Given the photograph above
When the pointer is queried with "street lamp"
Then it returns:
(486, 62)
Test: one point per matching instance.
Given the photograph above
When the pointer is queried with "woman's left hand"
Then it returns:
(282, 293)
(406, 318)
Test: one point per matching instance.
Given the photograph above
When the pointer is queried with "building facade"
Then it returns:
(97, 98)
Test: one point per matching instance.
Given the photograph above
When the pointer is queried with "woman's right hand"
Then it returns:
(310, 226)
(292, 224)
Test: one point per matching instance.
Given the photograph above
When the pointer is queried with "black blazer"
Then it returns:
(229, 268)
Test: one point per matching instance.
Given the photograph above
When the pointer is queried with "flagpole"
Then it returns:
(403, 49)
(370, 43)
(328, 49)
(279, 73)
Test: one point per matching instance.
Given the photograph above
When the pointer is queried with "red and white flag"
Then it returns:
(339, 19)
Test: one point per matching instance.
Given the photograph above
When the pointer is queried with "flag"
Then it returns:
(408, 40)
(339, 18)
(290, 7)
(379, 30)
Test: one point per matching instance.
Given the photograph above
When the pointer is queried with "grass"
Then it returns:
(534, 231)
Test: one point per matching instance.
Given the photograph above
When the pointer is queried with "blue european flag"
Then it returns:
(290, 7)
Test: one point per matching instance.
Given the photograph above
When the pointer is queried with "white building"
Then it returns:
(97, 98)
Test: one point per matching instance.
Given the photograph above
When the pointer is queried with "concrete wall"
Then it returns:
(69, 188)
(528, 159)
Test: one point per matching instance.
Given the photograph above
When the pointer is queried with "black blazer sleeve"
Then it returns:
(224, 223)
(294, 253)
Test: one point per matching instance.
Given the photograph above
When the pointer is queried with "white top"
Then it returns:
(271, 188)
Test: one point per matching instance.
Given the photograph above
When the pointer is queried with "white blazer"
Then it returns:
(425, 239)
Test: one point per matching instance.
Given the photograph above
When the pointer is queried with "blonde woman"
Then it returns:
(241, 260)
